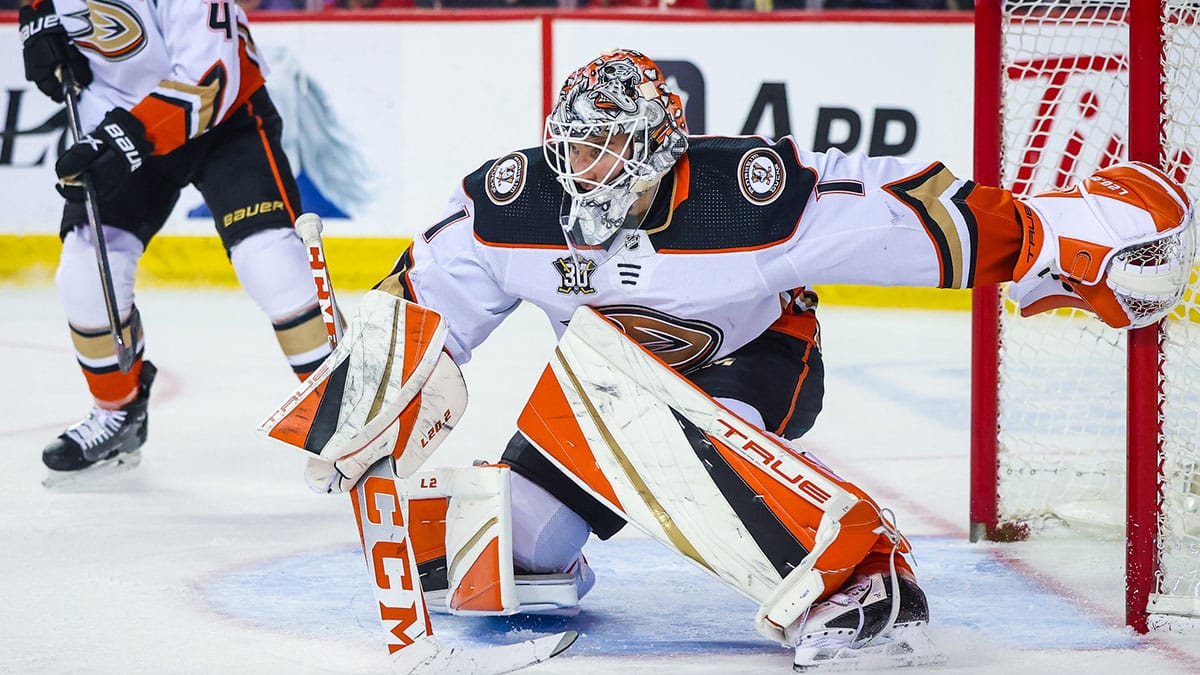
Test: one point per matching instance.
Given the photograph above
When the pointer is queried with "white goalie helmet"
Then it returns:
(614, 132)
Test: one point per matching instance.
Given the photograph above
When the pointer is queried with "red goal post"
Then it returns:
(1074, 424)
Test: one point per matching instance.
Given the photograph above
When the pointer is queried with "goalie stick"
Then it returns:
(388, 549)
(125, 352)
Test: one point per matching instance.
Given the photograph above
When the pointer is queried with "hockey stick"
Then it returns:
(388, 550)
(125, 353)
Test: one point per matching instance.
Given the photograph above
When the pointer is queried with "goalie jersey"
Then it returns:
(737, 231)
(179, 67)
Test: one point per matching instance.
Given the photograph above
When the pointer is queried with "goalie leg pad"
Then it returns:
(474, 544)
(754, 512)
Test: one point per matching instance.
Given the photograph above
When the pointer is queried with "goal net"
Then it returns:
(1075, 424)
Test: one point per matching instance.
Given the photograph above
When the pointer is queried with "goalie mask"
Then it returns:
(614, 132)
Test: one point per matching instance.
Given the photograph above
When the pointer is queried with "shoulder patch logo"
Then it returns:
(506, 179)
(760, 176)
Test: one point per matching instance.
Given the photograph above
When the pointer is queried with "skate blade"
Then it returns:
(94, 475)
(900, 650)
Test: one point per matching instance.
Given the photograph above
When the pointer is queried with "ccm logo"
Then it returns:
(778, 463)
(400, 607)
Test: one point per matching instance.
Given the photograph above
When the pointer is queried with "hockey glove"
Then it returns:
(113, 151)
(46, 49)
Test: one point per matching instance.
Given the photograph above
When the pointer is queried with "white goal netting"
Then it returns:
(1062, 377)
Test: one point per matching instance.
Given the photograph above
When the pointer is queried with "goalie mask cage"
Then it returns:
(1074, 423)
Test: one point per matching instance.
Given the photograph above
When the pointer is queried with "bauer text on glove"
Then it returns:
(113, 151)
(47, 49)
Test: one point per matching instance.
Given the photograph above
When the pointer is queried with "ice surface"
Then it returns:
(213, 557)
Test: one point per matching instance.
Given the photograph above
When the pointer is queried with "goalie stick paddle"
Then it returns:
(388, 550)
(125, 352)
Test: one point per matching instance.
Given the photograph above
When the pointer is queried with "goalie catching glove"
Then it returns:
(388, 390)
(1120, 244)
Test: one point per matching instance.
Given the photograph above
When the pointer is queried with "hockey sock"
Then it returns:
(110, 387)
(303, 341)
(272, 266)
(547, 536)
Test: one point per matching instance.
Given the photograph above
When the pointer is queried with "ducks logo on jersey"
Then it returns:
(761, 176)
(506, 179)
(683, 344)
(113, 29)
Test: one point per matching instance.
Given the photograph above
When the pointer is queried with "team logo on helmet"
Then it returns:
(761, 176)
(506, 179)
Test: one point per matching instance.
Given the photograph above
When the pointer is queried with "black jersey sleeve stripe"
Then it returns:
(922, 194)
(960, 202)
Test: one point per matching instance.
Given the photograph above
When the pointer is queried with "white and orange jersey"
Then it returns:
(181, 66)
(735, 229)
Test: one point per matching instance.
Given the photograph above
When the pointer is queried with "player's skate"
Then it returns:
(875, 620)
(105, 442)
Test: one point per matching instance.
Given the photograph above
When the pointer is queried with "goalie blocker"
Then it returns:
(388, 390)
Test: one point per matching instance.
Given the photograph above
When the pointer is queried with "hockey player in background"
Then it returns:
(173, 93)
(702, 250)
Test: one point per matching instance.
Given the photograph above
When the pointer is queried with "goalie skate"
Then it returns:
(875, 621)
(897, 648)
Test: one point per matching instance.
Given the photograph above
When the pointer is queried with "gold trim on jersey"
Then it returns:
(205, 93)
(922, 193)
(680, 177)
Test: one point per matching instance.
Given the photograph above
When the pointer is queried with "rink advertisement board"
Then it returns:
(385, 113)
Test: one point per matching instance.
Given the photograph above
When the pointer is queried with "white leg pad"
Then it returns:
(479, 542)
(479, 548)
(479, 569)
(798, 590)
